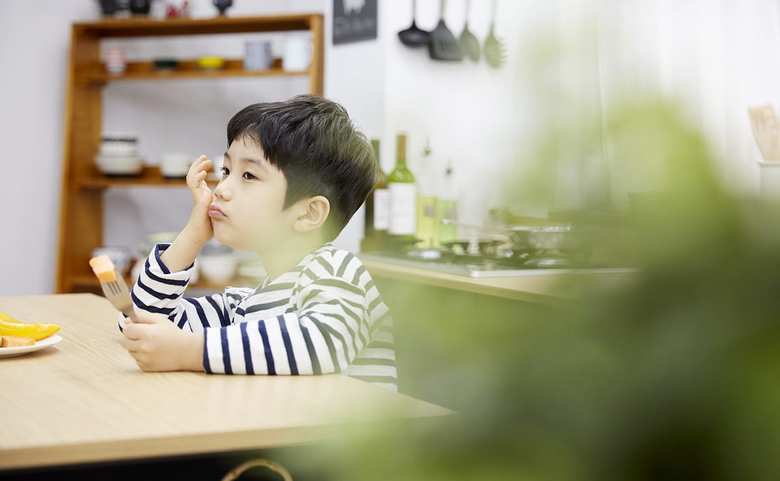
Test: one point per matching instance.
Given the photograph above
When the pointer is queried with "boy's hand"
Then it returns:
(157, 344)
(200, 223)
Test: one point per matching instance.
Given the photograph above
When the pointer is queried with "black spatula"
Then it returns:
(443, 45)
(414, 36)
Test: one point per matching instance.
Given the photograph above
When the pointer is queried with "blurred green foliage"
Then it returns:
(673, 375)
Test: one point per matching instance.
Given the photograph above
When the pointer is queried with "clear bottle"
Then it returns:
(426, 200)
(403, 193)
(447, 207)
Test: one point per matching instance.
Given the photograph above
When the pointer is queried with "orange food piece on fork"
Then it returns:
(103, 268)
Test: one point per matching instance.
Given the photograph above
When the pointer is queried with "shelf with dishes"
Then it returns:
(118, 163)
(148, 176)
(169, 69)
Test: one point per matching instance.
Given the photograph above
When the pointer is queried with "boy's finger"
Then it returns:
(132, 331)
(130, 345)
(147, 319)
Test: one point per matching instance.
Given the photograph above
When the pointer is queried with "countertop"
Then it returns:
(533, 285)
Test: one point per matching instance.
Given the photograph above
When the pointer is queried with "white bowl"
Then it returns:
(123, 149)
(218, 268)
(175, 164)
(116, 165)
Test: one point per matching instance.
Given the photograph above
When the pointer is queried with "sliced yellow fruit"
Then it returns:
(34, 331)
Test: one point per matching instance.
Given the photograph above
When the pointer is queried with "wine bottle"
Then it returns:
(403, 194)
(377, 211)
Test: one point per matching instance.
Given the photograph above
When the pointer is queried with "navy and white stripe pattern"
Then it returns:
(324, 316)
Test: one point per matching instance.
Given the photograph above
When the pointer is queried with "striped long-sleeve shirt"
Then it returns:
(323, 316)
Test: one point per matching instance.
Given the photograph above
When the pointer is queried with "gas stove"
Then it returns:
(484, 267)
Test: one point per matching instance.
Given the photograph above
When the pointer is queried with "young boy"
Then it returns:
(294, 174)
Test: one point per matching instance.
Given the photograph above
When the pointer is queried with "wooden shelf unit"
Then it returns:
(81, 196)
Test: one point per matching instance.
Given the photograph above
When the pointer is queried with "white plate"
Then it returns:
(19, 350)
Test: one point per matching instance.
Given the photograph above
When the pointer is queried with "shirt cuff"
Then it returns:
(121, 321)
(212, 351)
(157, 253)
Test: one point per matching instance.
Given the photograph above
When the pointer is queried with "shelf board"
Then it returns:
(145, 26)
(187, 69)
(149, 177)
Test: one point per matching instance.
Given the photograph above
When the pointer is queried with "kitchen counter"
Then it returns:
(85, 400)
(532, 285)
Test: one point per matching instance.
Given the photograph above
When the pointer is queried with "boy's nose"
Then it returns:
(222, 192)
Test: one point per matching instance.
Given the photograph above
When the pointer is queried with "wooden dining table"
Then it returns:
(85, 400)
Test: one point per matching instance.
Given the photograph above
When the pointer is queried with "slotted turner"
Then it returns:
(442, 44)
(468, 41)
(495, 51)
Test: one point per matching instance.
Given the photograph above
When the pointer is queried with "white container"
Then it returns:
(117, 165)
(258, 55)
(216, 171)
(297, 53)
(116, 61)
(769, 180)
(218, 269)
(122, 149)
(175, 164)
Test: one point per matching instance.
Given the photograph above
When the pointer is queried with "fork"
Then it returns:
(113, 285)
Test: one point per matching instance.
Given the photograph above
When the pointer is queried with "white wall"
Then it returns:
(33, 60)
(716, 56)
(474, 115)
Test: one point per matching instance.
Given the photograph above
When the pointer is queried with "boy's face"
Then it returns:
(251, 195)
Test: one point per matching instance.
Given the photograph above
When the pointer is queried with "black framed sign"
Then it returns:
(354, 21)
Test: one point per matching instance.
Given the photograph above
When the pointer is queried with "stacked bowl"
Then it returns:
(118, 155)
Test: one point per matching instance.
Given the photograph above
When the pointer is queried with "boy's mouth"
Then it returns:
(215, 212)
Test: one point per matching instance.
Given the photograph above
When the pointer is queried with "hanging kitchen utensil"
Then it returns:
(495, 51)
(443, 45)
(414, 36)
(468, 42)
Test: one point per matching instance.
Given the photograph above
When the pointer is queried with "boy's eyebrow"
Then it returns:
(247, 159)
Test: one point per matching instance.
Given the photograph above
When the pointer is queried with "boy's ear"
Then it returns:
(312, 214)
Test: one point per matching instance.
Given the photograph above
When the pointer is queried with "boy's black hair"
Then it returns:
(314, 143)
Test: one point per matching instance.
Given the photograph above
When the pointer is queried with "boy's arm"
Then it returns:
(160, 290)
(160, 287)
(323, 336)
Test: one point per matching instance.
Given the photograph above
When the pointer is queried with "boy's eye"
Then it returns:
(248, 176)
(225, 172)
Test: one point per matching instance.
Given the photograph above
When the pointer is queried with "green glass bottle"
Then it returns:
(377, 213)
(403, 193)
